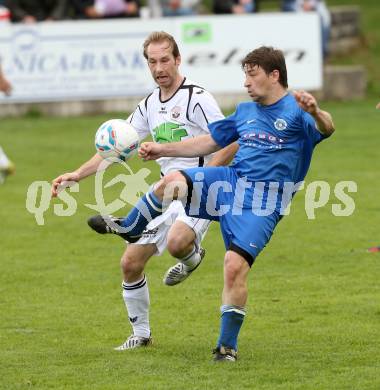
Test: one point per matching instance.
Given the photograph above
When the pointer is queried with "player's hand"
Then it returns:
(63, 181)
(306, 101)
(378, 106)
(150, 151)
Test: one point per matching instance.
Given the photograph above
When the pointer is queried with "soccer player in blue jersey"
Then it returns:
(277, 133)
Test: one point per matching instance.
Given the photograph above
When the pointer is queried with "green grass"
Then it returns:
(313, 313)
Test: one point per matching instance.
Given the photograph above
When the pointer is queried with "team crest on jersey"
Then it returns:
(280, 124)
(176, 112)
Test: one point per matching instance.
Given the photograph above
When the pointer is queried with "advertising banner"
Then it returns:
(92, 60)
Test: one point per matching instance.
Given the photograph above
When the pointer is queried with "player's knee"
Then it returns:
(171, 186)
(178, 245)
(130, 267)
(232, 271)
(173, 177)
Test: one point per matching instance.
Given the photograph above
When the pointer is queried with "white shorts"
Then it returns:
(157, 230)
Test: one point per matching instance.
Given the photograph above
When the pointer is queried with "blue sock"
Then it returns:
(146, 209)
(230, 324)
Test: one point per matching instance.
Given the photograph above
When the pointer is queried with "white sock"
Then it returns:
(191, 260)
(136, 299)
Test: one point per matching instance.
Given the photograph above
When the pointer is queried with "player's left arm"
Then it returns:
(322, 118)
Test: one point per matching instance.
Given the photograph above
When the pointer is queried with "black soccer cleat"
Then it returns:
(224, 354)
(107, 224)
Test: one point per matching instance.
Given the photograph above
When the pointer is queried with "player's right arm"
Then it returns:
(223, 133)
(193, 147)
(86, 169)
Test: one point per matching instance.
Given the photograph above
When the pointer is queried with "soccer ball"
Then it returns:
(116, 138)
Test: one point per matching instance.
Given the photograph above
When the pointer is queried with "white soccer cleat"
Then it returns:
(178, 273)
(133, 342)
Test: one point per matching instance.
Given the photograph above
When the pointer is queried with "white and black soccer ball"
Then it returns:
(116, 138)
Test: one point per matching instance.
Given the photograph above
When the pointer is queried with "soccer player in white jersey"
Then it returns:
(178, 109)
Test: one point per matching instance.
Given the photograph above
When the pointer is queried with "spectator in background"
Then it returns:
(95, 9)
(179, 7)
(32, 11)
(5, 15)
(234, 6)
(318, 6)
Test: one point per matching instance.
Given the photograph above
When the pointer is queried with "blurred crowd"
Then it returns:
(32, 11)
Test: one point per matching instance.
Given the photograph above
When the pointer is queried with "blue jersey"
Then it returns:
(276, 141)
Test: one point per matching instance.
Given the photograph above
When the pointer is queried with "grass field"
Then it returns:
(313, 314)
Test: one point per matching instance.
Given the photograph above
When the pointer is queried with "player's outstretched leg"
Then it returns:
(130, 228)
(173, 186)
(108, 224)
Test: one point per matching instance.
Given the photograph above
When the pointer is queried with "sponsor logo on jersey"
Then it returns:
(163, 110)
(175, 112)
(261, 136)
(262, 140)
(169, 132)
(280, 124)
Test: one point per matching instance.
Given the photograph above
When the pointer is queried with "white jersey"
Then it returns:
(185, 115)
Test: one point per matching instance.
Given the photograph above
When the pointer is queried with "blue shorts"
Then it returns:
(214, 194)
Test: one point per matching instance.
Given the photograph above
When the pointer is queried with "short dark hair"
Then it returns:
(161, 36)
(269, 59)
